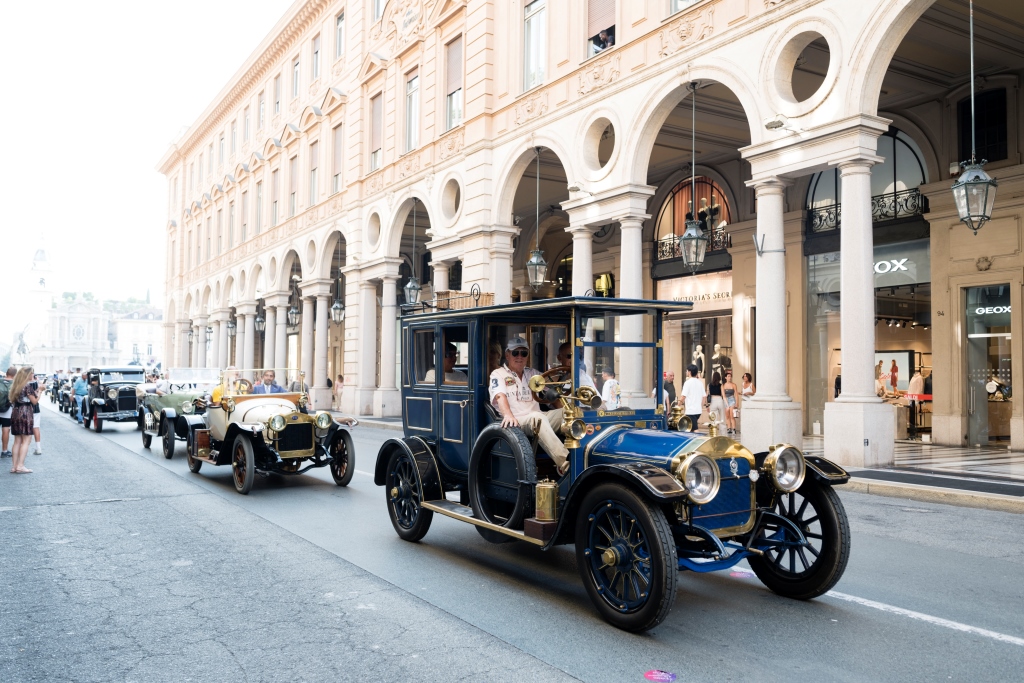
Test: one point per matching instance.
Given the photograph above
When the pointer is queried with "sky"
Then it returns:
(94, 93)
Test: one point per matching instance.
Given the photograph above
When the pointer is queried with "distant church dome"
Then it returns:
(40, 256)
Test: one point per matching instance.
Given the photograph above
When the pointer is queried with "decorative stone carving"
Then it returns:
(599, 74)
(686, 31)
(339, 67)
(428, 180)
(390, 199)
(314, 87)
(983, 263)
(452, 143)
(408, 165)
(768, 4)
(294, 106)
(335, 206)
(375, 183)
(531, 107)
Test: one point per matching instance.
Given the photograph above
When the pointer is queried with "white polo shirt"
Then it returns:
(516, 390)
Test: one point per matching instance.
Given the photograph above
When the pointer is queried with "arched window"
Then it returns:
(713, 212)
(894, 185)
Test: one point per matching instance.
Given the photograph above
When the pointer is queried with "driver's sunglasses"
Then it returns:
(451, 354)
(520, 353)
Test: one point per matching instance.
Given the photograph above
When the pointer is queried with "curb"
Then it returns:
(933, 494)
(374, 424)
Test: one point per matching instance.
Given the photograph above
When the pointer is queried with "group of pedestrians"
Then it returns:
(718, 397)
(19, 415)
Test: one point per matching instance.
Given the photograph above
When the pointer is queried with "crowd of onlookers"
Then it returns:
(19, 416)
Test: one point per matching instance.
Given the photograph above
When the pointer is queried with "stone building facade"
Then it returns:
(367, 141)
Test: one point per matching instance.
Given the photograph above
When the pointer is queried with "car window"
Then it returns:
(456, 356)
(423, 356)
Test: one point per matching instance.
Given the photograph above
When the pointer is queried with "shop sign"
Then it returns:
(707, 292)
(903, 263)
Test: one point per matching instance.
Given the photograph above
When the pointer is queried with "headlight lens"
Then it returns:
(187, 407)
(699, 474)
(111, 393)
(229, 405)
(323, 420)
(277, 423)
(786, 467)
(577, 429)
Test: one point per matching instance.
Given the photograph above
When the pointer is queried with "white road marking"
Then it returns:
(937, 621)
(369, 474)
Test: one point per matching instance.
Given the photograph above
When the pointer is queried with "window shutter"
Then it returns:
(337, 149)
(454, 66)
(376, 115)
(601, 15)
(314, 155)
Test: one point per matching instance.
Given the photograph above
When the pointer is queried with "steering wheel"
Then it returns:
(550, 394)
(244, 386)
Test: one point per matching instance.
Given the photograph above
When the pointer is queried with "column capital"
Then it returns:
(856, 163)
(245, 308)
(201, 320)
(581, 230)
(315, 288)
(278, 299)
(632, 220)
(392, 278)
(365, 285)
(769, 185)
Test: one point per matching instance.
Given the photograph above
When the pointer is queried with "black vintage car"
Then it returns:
(112, 396)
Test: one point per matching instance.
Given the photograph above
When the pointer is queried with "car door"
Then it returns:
(457, 383)
(419, 411)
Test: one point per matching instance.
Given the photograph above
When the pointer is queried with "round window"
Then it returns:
(78, 332)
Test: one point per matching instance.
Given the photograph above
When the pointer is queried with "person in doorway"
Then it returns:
(748, 389)
(22, 396)
(510, 394)
(610, 392)
(339, 386)
(716, 402)
(81, 391)
(5, 410)
(693, 395)
(268, 385)
(729, 391)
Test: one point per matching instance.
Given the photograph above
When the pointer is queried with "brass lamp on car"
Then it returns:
(785, 466)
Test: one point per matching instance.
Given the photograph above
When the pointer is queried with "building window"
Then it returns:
(231, 225)
(316, 57)
(174, 195)
(336, 160)
(412, 111)
(314, 155)
(679, 5)
(339, 35)
(245, 125)
(220, 230)
(263, 110)
(234, 137)
(534, 39)
(245, 217)
(990, 127)
(277, 94)
(293, 180)
(259, 207)
(453, 81)
(376, 131)
(210, 157)
(192, 176)
(200, 169)
(149, 349)
(601, 26)
(295, 78)
(378, 9)
(188, 249)
(713, 213)
(220, 150)
(209, 237)
(275, 192)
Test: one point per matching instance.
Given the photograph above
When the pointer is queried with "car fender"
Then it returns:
(169, 415)
(819, 469)
(98, 402)
(417, 449)
(652, 483)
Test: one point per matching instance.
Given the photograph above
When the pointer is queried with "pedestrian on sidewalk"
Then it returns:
(716, 402)
(729, 389)
(339, 387)
(693, 396)
(81, 391)
(36, 417)
(5, 410)
(23, 397)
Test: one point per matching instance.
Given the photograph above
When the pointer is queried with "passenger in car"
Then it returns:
(451, 375)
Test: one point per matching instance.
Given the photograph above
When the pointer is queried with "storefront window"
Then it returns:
(713, 212)
(989, 393)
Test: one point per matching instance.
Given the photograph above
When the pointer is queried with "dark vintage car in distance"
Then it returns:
(112, 396)
(643, 499)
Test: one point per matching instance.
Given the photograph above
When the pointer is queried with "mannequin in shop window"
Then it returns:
(698, 360)
(720, 362)
(714, 211)
(894, 372)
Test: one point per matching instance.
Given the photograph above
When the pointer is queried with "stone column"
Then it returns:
(631, 286)
(388, 400)
(249, 349)
(223, 353)
(281, 337)
(367, 347)
(440, 276)
(239, 339)
(320, 346)
(194, 361)
(183, 327)
(213, 358)
(306, 335)
(270, 337)
(771, 416)
(582, 258)
(859, 428)
(500, 253)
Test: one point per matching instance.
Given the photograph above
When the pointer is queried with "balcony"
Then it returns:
(884, 208)
(670, 247)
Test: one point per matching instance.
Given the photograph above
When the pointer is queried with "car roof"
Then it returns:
(119, 368)
(593, 305)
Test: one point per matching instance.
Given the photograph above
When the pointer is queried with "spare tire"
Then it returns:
(502, 474)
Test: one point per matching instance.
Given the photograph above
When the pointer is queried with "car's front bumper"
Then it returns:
(117, 416)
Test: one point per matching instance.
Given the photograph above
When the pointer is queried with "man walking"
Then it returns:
(81, 391)
(693, 394)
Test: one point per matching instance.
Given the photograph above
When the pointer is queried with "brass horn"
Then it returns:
(589, 398)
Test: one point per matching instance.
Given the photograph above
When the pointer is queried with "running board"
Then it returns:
(464, 513)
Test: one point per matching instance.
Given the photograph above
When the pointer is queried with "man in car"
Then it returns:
(565, 359)
(510, 393)
(268, 385)
(451, 375)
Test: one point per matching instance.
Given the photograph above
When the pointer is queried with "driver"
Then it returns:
(565, 359)
(510, 393)
(268, 385)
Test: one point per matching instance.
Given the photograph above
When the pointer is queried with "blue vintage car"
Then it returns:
(643, 498)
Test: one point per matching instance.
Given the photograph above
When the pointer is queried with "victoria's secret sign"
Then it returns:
(707, 292)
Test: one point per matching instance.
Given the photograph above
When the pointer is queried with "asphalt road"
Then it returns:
(301, 580)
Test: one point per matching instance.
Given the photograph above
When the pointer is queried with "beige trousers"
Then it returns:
(545, 427)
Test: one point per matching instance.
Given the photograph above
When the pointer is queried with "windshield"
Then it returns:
(620, 355)
(108, 377)
(235, 382)
(204, 376)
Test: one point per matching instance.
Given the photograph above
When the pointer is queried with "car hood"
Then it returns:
(658, 447)
(262, 409)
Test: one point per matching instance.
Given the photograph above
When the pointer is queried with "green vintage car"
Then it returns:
(163, 405)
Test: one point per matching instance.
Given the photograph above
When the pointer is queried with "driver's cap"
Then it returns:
(516, 343)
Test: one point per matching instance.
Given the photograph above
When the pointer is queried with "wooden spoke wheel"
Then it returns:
(194, 463)
(402, 488)
(243, 464)
(168, 439)
(343, 458)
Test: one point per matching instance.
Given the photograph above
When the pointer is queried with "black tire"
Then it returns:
(343, 458)
(503, 501)
(645, 555)
(243, 464)
(194, 464)
(402, 489)
(803, 573)
(168, 439)
(140, 421)
(147, 440)
(97, 423)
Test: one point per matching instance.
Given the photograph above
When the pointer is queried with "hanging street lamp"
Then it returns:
(190, 335)
(537, 267)
(974, 191)
(693, 243)
(260, 323)
(412, 287)
(294, 316)
(232, 328)
(337, 308)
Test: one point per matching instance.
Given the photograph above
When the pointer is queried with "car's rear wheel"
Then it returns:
(194, 464)
(804, 572)
(168, 438)
(343, 458)
(97, 423)
(626, 557)
(147, 440)
(402, 488)
(243, 464)
(500, 467)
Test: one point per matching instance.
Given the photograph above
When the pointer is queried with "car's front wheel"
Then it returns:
(194, 463)
(804, 571)
(343, 458)
(626, 557)
(402, 488)
(168, 438)
(243, 464)
(97, 423)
